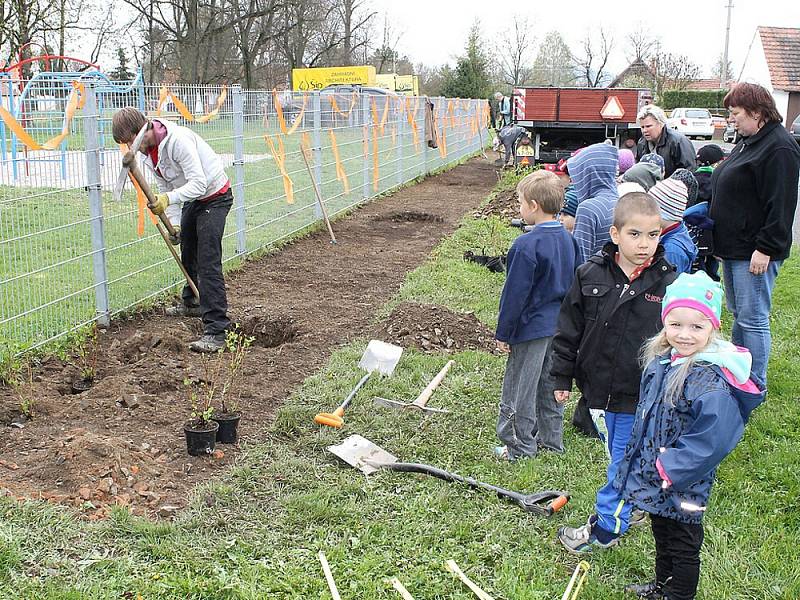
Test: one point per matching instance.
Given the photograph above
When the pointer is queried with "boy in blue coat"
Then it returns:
(541, 266)
(679, 249)
(696, 397)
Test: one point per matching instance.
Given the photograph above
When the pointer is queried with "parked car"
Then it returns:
(730, 134)
(692, 122)
(335, 102)
(795, 129)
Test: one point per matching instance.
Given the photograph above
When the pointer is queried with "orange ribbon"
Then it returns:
(375, 161)
(412, 121)
(165, 93)
(279, 154)
(341, 174)
(141, 200)
(380, 124)
(281, 120)
(335, 106)
(76, 100)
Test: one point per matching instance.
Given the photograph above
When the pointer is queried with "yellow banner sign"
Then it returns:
(321, 77)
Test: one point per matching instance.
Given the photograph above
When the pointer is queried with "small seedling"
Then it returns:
(23, 390)
(87, 355)
(200, 395)
(236, 344)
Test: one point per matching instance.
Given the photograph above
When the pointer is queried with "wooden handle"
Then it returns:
(303, 150)
(400, 589)
(426, 394)
(164, 227)
(329, 576)
(454, 568)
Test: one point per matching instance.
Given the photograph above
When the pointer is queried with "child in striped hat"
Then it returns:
(679, 249)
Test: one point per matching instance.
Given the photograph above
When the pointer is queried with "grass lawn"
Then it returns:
(255, 533)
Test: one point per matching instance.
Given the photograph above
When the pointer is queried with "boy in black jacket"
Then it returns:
(614, 305)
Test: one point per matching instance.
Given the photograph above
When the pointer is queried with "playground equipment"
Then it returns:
(39, 105)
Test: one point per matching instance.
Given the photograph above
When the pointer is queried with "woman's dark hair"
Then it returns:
(754, 99)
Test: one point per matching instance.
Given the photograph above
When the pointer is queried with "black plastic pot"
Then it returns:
(81, 385)
(228, 427)
(200, 438)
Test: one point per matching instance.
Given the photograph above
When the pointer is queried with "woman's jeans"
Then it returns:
(749, 298)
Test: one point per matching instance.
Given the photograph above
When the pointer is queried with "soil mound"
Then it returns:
(432, 328)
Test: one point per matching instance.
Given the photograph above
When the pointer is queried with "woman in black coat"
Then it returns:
(754, 199)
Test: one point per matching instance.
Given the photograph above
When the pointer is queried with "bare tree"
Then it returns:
(641, 45)
(719, 72)
(554, 64)
(515, 52)
(355, 18)
(387, 54)
(673, 72)
(595, 52)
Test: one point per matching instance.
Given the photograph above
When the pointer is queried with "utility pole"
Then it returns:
(724, 75)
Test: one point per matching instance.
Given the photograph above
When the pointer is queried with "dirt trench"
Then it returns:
(122, 441)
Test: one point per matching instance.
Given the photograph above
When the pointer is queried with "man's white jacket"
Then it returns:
(189, 169)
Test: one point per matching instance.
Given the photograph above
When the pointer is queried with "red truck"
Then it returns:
(562, 120)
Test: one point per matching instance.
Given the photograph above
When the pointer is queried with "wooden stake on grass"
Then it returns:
(329, 576)
(303, 150)
(456, 570)
(400, 589)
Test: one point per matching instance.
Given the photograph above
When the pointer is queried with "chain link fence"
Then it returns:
(71, 255)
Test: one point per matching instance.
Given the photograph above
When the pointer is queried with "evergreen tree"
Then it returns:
(122, 72)
(470, 78)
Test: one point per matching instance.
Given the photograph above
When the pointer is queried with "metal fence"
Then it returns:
(70, 254)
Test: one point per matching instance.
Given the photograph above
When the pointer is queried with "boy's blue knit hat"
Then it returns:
(570, 201)
(655, 159)
(697, 291)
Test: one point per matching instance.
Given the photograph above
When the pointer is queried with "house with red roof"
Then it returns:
(773, 60)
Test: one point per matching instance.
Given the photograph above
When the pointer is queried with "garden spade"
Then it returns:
(165, 228)
(379, 356)
(367, 457)
(421, 403)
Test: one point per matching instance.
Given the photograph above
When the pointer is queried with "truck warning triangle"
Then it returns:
(612, 109)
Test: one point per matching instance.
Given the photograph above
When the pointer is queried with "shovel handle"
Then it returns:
(163, 223)
(451, 566)
(352, 394)
(426, 394)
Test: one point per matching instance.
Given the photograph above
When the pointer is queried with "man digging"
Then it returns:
(196, 197)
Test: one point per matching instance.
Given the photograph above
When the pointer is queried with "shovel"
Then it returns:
(367, 457)
(379, 356)
(421, 403)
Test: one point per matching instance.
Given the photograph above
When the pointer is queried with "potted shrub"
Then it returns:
(228, 415)
(200, 430)
(87, 362)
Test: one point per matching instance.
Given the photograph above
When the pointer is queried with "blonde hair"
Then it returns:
(544, 188)
(126, 124)
(658, 346)
(651, 110)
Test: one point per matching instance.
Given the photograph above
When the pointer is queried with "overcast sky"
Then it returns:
(434, 31)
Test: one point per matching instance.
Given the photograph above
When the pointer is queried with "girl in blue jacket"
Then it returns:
(697, 393)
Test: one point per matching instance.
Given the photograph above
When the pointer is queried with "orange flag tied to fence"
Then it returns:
(282, 120)
(165, 94)
(279, 154)
(75, 101)
(411, 115)
(141, 200)
(341, 174)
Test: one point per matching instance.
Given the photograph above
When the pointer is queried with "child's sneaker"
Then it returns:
(638, 517)
(649, 591)
(581, 540)
(501, 453)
